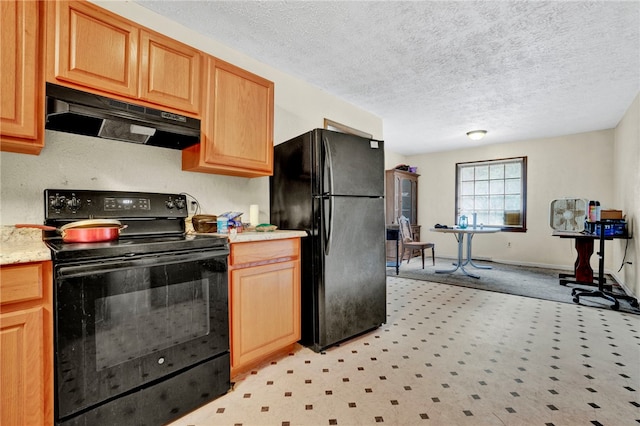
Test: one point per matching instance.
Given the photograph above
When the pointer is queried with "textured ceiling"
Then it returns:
(435, 70)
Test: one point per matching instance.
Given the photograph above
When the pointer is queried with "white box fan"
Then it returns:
(568, 214)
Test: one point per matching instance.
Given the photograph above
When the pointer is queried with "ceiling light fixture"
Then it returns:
(476, 135)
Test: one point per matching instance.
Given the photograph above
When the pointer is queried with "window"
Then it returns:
(495, 190)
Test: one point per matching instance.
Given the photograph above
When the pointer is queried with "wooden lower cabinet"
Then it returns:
(264, 300)
(26, 344)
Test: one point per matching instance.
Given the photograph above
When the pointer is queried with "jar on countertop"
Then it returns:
(223, 225)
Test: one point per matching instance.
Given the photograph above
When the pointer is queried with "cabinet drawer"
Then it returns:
(259, 252)
(21, 283)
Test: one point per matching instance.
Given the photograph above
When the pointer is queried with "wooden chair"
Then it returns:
(408, 243)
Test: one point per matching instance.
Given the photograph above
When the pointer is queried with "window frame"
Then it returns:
(523, 212)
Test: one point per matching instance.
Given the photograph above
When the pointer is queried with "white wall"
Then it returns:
(391, 159)
(569, 166)
(79, 162)
(626, 189)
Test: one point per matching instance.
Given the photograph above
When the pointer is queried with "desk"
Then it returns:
(603, 291)
(393, 234)
(582, 271)
(459, 233)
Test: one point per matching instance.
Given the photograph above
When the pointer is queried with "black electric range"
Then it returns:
(141, 331)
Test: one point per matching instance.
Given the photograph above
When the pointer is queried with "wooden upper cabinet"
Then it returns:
(91, 47)
(170, 72)
(21, 78)
(237, 124)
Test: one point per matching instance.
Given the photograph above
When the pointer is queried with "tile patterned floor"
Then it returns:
(452, 356)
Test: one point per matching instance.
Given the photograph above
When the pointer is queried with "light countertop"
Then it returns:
(249, 236)
(22, 245)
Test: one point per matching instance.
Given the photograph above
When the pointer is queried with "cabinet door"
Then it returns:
(91, 47)
(237, 124)
(26, 344)
(407, 193)
(21, 368)
(22, 81)
(170, 72)
(265, 310)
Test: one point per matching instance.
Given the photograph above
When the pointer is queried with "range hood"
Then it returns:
(74, 111)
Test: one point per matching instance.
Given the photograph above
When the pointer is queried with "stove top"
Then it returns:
(130, 247)
(154, 224)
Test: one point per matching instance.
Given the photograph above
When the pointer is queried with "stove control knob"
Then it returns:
(180, 203)
(74, 204)
(170, 204)
(57, 202)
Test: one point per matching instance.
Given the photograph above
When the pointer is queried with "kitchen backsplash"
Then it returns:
(81, 162)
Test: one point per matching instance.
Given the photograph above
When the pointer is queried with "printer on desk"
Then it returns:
(613, 220)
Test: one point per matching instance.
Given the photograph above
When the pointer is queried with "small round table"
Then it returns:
(459, 235)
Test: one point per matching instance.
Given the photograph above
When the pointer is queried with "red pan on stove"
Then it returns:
(84, 231)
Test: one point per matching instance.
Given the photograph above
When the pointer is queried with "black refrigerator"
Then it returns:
(331, 185)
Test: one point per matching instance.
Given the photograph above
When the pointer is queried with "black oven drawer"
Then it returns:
(159, 404)
(123, 325)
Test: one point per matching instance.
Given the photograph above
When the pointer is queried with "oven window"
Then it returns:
(135, 324)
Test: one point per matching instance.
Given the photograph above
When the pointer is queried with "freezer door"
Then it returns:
(352, 291)
(290, 185)
(350, 165)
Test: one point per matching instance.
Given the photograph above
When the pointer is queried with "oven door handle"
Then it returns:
(136, 261)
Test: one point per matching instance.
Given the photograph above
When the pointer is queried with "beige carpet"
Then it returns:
(540, 283)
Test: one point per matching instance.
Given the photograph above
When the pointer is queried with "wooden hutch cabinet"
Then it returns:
(401, 194)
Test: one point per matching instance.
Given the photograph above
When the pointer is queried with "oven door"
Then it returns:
(123, 324)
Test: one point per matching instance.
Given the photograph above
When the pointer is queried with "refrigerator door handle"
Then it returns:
(328, 228)
(328, 175)
(327, 166)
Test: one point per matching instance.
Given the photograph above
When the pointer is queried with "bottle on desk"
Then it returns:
(593, 216)
(594, 211)
(462, 222)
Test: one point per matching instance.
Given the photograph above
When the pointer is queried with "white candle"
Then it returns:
(254, 215)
